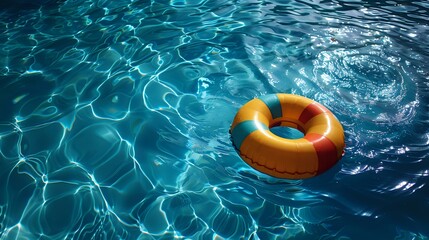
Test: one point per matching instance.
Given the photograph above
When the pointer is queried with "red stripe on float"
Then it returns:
(311, 111)
(325, 149)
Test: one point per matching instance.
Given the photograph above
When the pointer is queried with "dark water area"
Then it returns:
(114, 118)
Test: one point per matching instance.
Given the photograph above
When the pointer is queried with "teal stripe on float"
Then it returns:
(273, 103)
(243, 129)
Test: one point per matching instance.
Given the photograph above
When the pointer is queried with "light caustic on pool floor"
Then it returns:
(115, 115)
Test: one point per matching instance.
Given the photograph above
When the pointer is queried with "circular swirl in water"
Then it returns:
(370, 86)
(370, 73)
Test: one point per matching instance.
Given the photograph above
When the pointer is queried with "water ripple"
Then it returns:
(368, 85)
(115, 116)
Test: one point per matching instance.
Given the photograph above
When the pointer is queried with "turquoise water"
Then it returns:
(114, 118)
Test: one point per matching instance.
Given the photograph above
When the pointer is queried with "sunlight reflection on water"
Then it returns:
(115, 115)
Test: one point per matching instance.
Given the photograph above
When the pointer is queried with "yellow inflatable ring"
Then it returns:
(320, 148)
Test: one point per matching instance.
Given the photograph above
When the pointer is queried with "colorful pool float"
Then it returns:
(320, 148)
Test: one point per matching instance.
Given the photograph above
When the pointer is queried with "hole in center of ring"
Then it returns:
(287, 132)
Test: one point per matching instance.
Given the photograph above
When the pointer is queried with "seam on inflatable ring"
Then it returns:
(274, 169)
(271, 169)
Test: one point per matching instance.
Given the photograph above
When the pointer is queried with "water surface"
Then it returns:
(114, 118)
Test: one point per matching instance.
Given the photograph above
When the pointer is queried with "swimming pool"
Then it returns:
(114, 118)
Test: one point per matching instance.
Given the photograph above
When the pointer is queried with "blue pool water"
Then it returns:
(114, 118)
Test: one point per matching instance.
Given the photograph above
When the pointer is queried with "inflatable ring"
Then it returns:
(320, 148)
